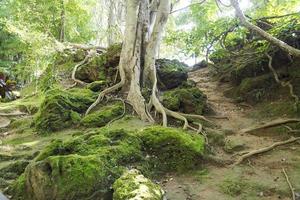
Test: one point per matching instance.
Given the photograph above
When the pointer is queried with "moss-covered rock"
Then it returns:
(171, 149)
(103, 115)
(89, 164)
(13, 170)
(61, 109)
(132, 185)
(70, 177)
(171, 73)
(97, 86)
(185, 99)
(102, 67)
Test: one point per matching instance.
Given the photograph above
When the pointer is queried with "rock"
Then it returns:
(185, 99)
(13, 170)
(4, 122)
(97, 86)
(87, 165)
(132, 185)
(171, 149)
(102, 67)
(233, 145)
(61, 109)
(171, 73)
(103, 116)
(200, 65)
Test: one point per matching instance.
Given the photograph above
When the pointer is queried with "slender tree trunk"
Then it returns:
(111, 22)
(63, 22)
(282, 45)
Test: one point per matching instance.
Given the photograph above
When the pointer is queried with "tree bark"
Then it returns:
(63, 22)
(282, 45)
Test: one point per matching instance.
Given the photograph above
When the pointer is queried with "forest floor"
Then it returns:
(260, 177)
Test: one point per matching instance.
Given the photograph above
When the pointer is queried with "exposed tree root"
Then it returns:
(13, 114)
(77, 81)
(85, 47)
(122, 115)
(271, 124)
(283, 83)
(264, 149)
(289, 183)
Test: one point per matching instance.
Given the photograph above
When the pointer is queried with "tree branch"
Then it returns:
(193, 4)
(282, 45)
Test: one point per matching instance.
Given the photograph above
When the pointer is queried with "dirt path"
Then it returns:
(261, 178)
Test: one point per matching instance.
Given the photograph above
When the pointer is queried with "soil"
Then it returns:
(259, 177)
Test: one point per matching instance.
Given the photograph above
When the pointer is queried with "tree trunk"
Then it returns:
(111, 23)
(62, 21)
(140, 47)
(282, 45)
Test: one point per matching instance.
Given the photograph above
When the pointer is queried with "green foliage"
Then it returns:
(60, 109)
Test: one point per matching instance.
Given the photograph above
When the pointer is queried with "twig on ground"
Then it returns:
(289, 183)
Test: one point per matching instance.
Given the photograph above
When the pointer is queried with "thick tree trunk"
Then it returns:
(282, 45)
(140, 48)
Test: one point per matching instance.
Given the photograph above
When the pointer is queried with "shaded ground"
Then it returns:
(260, 178)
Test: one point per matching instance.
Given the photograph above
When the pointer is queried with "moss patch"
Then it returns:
(171, 149)
(133, 185)
(61, 109)
(90, 163)
(103, 116)
(185, 99)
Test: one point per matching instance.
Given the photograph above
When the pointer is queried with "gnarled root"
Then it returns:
(90, 54)
(265, 149)
(270, 124)
(108, 90)
(283, 83)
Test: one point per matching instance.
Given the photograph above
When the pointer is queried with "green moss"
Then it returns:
(133, 185)
(97, 86)
(18, 188)
(103, 116)
(14, 169)
(171, 149)
(68, 173)
(59, 107)
(187, 100)
(89, 163)
(21, 125)
(170, 70)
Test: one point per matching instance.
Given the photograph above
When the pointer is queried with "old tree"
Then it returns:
(145, 23)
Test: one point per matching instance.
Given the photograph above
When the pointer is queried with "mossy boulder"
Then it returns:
(61, 109)
(132, 185)
(81, 168)
(171, 73)
(185, 99)
(101, 67)
(103, 115)
(13, 170)
(70, 177)
(171, 149)
(97, 86)
(88, 165)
